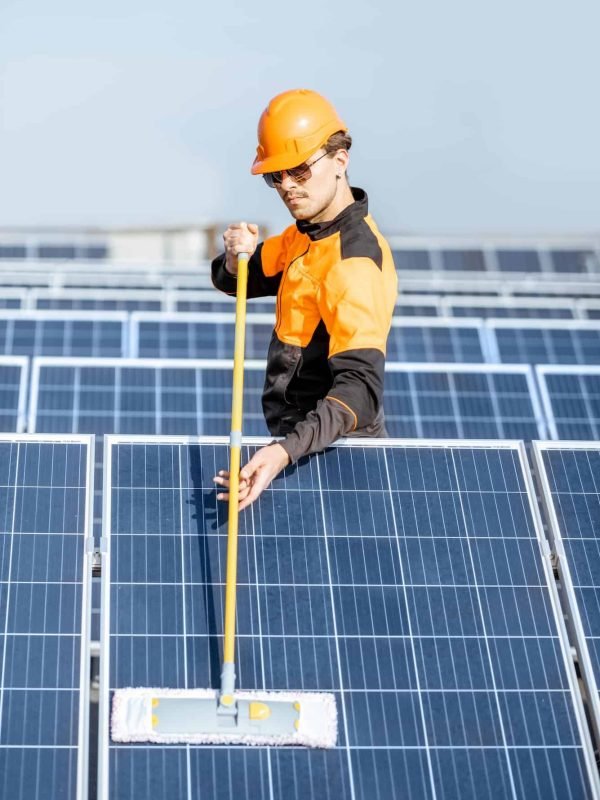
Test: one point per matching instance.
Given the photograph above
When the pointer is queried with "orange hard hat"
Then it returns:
(293, 127)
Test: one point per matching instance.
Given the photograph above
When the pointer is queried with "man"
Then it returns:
(335, 281)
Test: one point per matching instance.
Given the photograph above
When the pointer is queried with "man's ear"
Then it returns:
(341, 158)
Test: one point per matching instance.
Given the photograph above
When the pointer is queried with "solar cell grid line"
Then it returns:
(435, 339)
(471, 401)
(549, 308)
(568, 474)
(99, 299)
(45, 585)
(196, 335)
(14, 376)
(555, 341)
(66, 333)
(571, 400)
(410, 577)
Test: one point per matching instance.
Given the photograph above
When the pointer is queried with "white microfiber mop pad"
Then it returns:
(132, 718)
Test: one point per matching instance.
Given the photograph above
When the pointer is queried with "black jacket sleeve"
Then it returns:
(259, 285)
(353, 403)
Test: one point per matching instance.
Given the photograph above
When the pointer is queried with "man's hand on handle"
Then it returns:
(256, 475)
(240, 237)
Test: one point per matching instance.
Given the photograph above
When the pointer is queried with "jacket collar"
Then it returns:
(348, 217)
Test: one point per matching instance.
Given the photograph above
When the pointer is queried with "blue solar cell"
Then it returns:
(507, 311)
(13, 388)
(256, 305)
(572, 403)
(99, 304)
(408, 580)
(43, 631)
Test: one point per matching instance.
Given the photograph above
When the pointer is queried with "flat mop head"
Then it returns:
(194, 716)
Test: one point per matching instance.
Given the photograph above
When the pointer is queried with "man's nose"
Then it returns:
(287, 182)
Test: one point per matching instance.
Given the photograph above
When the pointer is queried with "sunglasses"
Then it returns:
(298, 174)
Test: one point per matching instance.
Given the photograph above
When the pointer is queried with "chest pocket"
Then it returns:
(297, 306)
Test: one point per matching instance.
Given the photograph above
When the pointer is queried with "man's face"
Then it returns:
(312, 199)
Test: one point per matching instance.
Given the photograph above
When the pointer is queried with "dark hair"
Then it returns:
(338, 141)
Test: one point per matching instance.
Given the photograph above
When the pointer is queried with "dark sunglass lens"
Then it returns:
(301, 173)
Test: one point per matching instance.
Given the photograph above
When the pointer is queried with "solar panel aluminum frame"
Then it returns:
(585, 306)
(86, 596)
(23, 362)
(493, 323)
(482, 369)
(571, 612)
(545, 557)
(541, 370)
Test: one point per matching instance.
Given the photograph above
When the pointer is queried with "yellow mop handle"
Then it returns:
(235, 447)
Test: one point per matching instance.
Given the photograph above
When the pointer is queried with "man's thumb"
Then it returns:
(252, 227)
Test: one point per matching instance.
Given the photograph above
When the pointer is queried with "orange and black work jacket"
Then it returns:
(336, 288)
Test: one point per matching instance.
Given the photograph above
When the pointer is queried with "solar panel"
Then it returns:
(408, 578)
(463, 260)
(437, 339)
(411, 259)
(512, 307)
(517, 260)
(215, 301)
(461, 401)
(66, 333)
(570, 479)
(45, 576)
(189, 335)
(87, 395)
(13, 392)
(548, 342)
(574, 261)
(571, 400)
(99, 299)
(589, 309)
(12, 298)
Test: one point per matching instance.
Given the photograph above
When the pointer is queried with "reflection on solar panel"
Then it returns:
(455, 401)
(45, 577)
(66, 333)
(99, 299)
(571, 400)
(409, 580)
(508, 307)
(13, 392)
(551, 342)
(435, 340)
(570, 479)
(192, 336)
(141, 396)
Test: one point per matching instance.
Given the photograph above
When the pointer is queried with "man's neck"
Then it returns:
(343, 198)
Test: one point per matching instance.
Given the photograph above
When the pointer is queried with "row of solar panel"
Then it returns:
(192, 397)
(573, 261)
(211, 301)
(546, 258)
(184, 335)
(412, 579)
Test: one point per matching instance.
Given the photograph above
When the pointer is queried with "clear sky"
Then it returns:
(466, 116)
